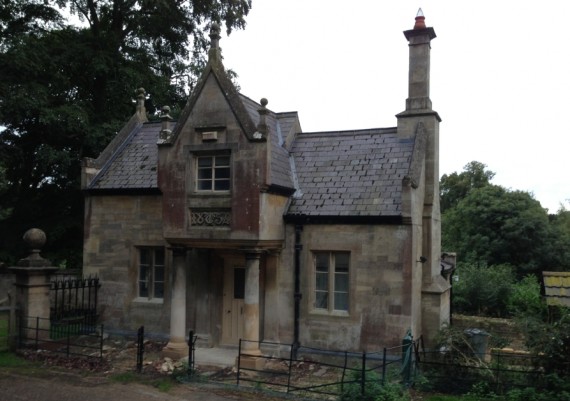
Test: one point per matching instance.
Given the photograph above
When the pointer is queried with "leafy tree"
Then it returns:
(454, 187)
(496, 226)
(66, 89)
(559, 240)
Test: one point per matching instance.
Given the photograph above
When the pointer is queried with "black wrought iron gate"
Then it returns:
(74, 302)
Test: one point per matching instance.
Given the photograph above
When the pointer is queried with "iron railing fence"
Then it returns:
(70, 339)
(456, 372)
(8, 333)
(314, 372)
(74, 301)
(4, 328)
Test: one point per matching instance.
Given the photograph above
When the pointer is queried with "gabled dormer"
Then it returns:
(222, 162)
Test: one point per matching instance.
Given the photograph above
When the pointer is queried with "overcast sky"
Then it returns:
(500, 77)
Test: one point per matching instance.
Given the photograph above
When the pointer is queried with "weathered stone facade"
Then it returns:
(235, 224)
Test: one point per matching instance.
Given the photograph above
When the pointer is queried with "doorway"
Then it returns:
(233, 302)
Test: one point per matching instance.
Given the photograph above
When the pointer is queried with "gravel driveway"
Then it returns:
(63, 386)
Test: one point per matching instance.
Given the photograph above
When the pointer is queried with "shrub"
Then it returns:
(482, 289)
(549, 339)
(525, 298)
(373, 389)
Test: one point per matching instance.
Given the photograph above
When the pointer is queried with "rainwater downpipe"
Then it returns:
(297, 294)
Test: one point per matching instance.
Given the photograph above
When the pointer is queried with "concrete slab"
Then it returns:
(222, 357)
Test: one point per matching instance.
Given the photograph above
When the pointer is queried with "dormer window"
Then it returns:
(213, 173)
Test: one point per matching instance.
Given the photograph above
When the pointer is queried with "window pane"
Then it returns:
(204, 185)
(205, 162)
(159, 257)
(143, 283)
(205, 174)
(341, 282)
(158, 290)
(341, 301)
(222, 161)
(322, 262)
(341, 262)
(223, 172)
(239, 283)
(322, 282)
(143, 289)
(158, 274)
(144, 255)
(222, 185)
(321, 300)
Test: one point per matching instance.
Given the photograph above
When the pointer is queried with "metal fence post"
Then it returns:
(140, 348)
(37, 329)
(344, 371)
(384, 366)
(239, 360)
(101, 344)
(191, 352)
(68, 338)
(363, 375)
(292, 354)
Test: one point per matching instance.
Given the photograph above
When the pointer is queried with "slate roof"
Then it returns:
(280, 168)
(350, 173)
(134, 164)
(339, 173)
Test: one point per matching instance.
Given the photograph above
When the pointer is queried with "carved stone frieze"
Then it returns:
(210, 218)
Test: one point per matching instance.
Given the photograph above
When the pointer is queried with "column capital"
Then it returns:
(252, 254)
(178, 250)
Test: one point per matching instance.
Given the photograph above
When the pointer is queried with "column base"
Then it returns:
(251, 362)
(175, 350)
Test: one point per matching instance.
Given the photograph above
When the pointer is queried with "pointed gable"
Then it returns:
(215, 69)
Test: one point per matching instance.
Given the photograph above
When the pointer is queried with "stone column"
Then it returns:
(177, 347)
(33, 276)
(251, 313)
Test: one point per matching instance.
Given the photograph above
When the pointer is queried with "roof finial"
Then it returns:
(420, 20)
(261, 132)
(215, 36)
(214, 52)
(140, 92)
(140, 110)
(165, 132)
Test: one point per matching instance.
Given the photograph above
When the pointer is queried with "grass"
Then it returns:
(163, 384)
(126, 377)
(464, 397)
(10, 360)
(3, 334)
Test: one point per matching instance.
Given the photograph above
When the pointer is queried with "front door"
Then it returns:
(234, 290)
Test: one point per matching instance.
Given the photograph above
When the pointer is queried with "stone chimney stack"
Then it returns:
(418, 103)
(419, 39)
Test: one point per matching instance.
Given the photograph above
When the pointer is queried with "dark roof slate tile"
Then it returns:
(134, 164)
(350, 173)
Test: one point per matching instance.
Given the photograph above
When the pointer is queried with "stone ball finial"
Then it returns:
(264, 102)
(215, 32)
(35, 238)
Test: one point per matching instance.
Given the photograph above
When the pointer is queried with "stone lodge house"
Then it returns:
(234, 223)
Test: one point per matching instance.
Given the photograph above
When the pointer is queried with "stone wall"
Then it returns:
(380, 303)
(115, 226)
(503, 331)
